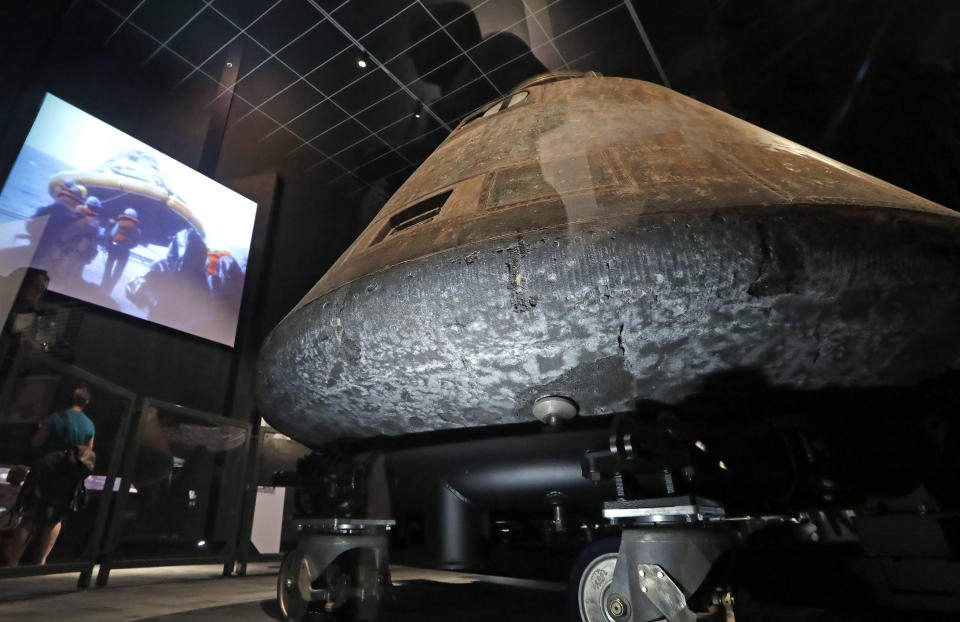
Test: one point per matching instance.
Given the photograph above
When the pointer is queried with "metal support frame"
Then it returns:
(238, 565)
(264, 189)
(210, 155)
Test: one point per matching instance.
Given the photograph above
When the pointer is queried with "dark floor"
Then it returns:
(423, 601)
(199, 593)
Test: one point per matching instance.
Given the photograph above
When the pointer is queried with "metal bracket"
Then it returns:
(663, 593)
(344, 525)
(676, 509)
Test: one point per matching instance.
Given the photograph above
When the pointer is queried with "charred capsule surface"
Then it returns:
(611, 240)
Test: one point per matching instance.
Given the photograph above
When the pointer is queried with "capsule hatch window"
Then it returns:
(516, 98)
(496, 107)
(418, 213)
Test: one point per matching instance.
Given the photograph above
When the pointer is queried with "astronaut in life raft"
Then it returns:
(208, 278)
(65, 233)
(118, 240)
(134, 179)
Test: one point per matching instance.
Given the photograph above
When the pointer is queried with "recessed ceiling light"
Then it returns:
(363, 61)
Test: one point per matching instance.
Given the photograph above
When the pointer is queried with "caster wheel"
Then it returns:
(589, 587)
(337, 585)
(296, 575)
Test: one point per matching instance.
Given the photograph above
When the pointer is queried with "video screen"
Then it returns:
(118, 224)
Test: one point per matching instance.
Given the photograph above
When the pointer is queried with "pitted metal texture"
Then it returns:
(642, 309)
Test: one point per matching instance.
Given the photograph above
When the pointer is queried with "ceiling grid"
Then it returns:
(381, 120)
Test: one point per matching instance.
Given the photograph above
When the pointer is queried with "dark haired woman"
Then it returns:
(65, 440)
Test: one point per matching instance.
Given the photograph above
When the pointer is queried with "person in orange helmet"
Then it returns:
(120, 239)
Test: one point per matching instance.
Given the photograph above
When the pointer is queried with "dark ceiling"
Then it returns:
(304, 105)
(856, 79)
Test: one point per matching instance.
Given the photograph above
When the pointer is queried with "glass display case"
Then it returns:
(181, 489)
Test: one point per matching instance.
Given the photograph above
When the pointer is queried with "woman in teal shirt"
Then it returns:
(61, 430)
(43, 517)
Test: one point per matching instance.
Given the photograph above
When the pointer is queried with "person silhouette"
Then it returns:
(64, 441)
(119, 239)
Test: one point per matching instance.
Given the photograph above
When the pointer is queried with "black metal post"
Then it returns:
(218, 120)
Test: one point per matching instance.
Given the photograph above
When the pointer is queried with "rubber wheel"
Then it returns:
(593, 564)
(298, 570)
(293, 607)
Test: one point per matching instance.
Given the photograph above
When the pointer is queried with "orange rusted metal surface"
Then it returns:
(578, 150)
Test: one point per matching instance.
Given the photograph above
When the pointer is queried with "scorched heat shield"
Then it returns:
(610, 240)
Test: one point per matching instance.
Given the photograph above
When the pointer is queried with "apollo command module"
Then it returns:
(643, 333)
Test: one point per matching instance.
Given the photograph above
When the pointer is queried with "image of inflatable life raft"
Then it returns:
(133, 180)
